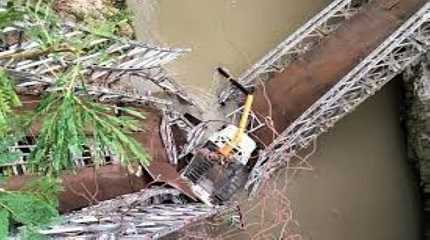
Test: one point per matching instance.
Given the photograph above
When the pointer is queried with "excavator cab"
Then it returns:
(215, 178)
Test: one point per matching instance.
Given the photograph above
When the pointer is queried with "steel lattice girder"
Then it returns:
(123, 58)
(297, 43)
(132, 216)
(124, 54)
(400, 50)
(129, 57)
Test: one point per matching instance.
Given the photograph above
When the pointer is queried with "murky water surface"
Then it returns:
(230, 33)
(361, 186)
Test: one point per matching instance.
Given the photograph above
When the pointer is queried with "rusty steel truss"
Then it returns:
(401, 49)
(298, 43)
(170, 119)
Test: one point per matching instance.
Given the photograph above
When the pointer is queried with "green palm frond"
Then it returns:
(23, 208)
(33, 206)
(9, 16)
(4, 223)
(11, 124)
(45, 189)
(8, 101)
(71, 121)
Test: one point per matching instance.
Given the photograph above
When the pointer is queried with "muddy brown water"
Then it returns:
(361, 186)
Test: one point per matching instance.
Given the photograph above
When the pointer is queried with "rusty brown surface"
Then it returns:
(89, 185)
(159, 169)
(306, 79)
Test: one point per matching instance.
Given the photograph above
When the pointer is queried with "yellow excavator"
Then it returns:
(218, 169)
(243, 124)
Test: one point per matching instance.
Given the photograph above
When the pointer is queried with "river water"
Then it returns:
(361, 186)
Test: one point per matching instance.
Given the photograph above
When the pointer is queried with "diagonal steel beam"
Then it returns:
(400, 50)
(301, 41)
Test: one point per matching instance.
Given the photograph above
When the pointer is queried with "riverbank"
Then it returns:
(417, 122)
(111, 11)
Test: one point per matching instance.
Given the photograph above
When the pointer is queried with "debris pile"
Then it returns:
(99, 70)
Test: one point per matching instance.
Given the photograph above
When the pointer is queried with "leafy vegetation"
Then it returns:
(45, 189)
(11, 15)
(8, 101)
(10, 130)
(70, 121)
(35, 205)
(110, 28)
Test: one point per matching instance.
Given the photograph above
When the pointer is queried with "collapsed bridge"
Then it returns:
(326, 69)
(320, 73)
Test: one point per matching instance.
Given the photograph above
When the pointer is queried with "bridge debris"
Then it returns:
(141, 215)
(402, 48)
(156, 212)
(301, 41)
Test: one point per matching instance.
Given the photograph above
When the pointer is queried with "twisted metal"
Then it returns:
(123, 59)
(132, 217)
(400, 50)
(124, 56)
(298, 43)
(254, 122)
(168, 139)
(22, 151)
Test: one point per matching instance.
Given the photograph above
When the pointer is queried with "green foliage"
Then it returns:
(46, 189)
(110, 26)
(4, 223)
(27, 209)
(7, 156)
(39, 12)
(71, 122)
(10, 123)
(46, 28)
(11, 15)
(8, 101)
(23, 208)
(35, 205)
(30, 233)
